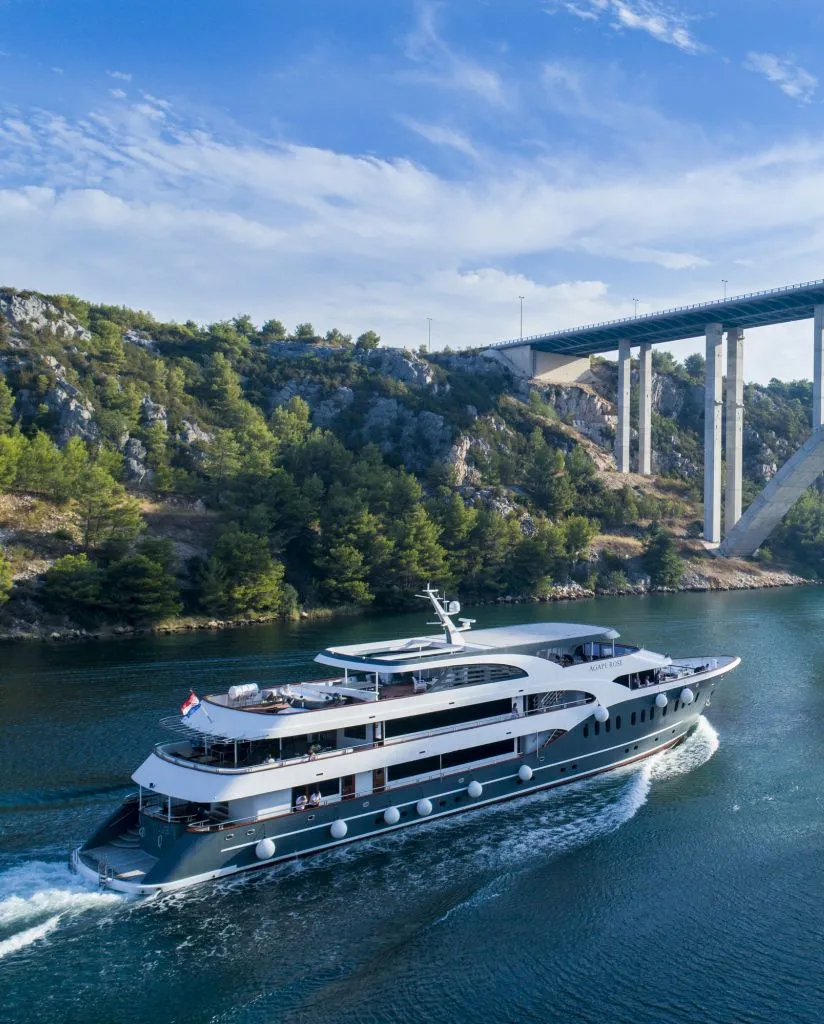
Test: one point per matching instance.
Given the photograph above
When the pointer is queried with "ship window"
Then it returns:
(643, 714)
(651, 713)
(664, 710)
(447, 717)
(481, 753)
(632, 719)
(409, 768)
(607, 725)
(586, 732)
(597, 728)
(451, 676)
(617, 721)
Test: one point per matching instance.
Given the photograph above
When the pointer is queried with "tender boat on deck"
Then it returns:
(405, 732)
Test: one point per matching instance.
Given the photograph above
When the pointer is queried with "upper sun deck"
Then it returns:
(404, 655)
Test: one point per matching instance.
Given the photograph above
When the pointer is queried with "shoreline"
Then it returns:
(695, 581)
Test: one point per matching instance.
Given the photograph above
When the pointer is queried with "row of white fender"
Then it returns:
(338, 829)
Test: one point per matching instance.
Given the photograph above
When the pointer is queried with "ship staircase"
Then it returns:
(122, 857)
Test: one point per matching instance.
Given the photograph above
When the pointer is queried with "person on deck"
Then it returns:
(300, 803)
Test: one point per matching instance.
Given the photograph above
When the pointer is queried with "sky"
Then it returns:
(367, 164)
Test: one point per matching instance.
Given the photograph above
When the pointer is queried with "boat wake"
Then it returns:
(562, 820)
(36, 896)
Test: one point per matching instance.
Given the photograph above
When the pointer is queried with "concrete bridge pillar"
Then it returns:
(712, 434)
(622, 428)
(818, 366)
(735, 427)
(645, 412)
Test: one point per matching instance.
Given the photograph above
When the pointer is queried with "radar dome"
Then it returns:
(453, 607)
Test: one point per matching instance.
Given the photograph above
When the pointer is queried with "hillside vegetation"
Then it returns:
(152, 469)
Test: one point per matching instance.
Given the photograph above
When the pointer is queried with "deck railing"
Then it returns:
(326, 754)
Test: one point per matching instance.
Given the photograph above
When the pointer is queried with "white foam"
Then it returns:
(46, 891)
(25, 938)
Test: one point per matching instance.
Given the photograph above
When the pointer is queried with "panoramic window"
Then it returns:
(447, 717)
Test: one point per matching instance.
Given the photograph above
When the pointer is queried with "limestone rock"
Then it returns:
(585, 410)
(403, 366)
(141, 339)
(419, 438)
(39, 314)
(74, 415)
(134, 461)
(191, 433)
(329, 409)
(152, 412)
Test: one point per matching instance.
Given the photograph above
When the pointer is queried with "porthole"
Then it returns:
(635, 747)
(250, 831)
(573, 766)
(626, 750)
(365, 803)
(227, 838)
(310, 817)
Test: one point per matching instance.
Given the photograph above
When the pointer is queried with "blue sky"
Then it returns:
(369, 163)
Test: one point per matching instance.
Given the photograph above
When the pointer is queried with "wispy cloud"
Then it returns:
(176, 215)
(791, 78)
(657, 20)
(123, 76)
(441, 135)
(444, 66)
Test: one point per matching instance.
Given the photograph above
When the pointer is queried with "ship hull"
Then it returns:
(181, 856)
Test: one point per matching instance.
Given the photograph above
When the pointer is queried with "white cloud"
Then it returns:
(443, 66)
(656, 19)
(117, 93)
(123, 76)
(790, 78)
(440, 135)
(123, 207)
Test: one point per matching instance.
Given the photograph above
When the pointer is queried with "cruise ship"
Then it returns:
(405, 732)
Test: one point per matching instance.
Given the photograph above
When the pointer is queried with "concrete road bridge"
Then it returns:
(562, 357)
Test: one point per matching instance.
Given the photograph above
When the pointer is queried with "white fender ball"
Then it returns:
(391, 815)
(474, 789)
(524, 773)
(424, 807)
(687, 696)
(338, 829)
(265, 849)
(601, 713)
(661, 700)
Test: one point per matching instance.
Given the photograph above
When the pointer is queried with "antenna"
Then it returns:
(453, 632)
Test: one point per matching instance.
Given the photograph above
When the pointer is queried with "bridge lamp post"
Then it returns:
(429, 334)
(725, 282)
(522, 316)
(635, 307)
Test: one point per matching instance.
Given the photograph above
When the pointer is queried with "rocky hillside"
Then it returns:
(236, 471)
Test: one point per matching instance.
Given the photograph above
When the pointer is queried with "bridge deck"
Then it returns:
(760, 309)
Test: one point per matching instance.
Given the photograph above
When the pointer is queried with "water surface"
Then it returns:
(689, 888)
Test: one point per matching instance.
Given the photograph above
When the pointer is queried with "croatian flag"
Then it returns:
(189, 705)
